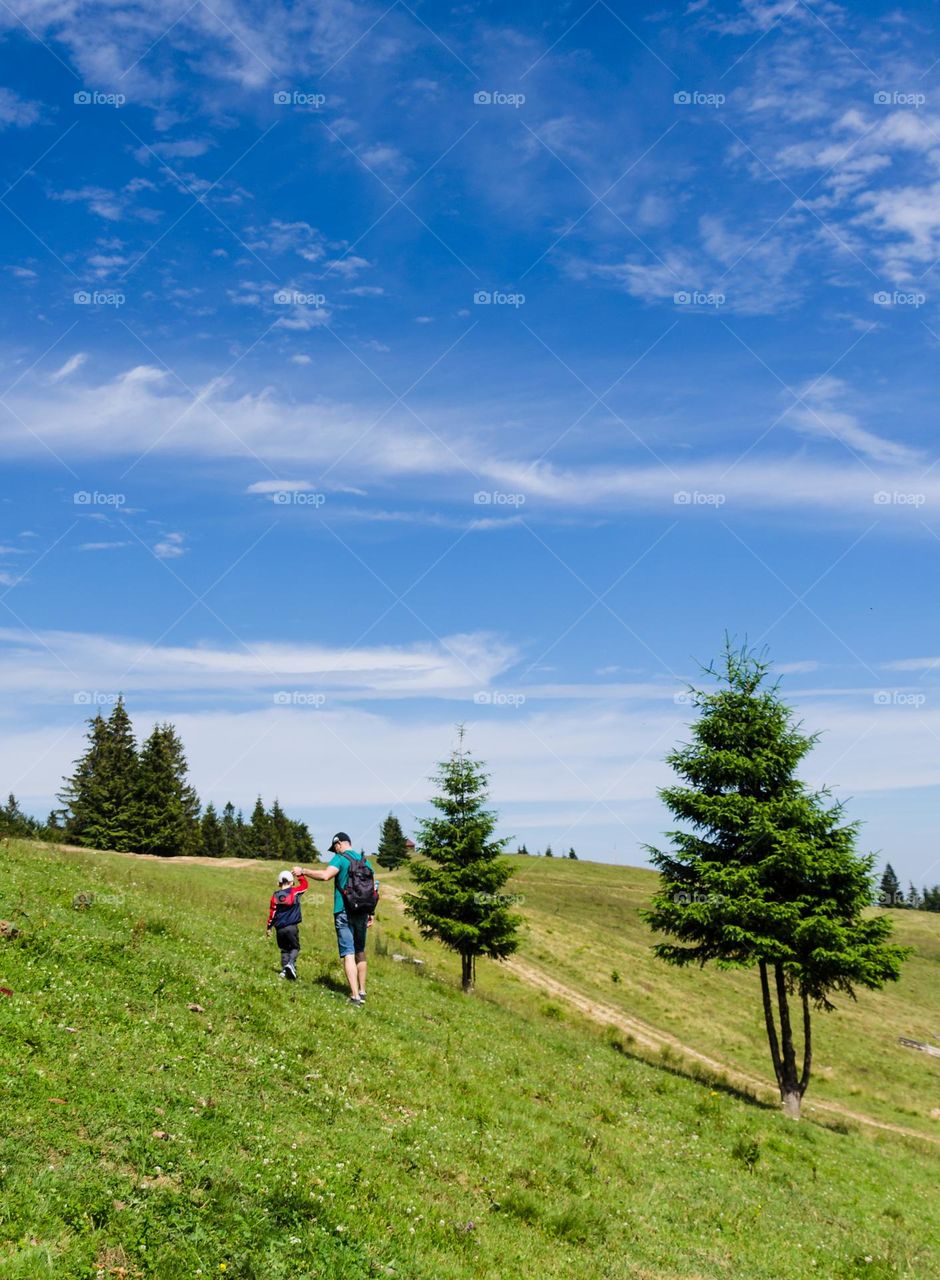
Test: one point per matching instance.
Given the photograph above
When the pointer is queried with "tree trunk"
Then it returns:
(467, 970)
(807, 1044)
(770, 1024)
(790, 1093)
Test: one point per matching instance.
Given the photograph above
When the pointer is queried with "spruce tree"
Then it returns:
(280, 835)
(259, 834)
(303, 848)
(572, 855)
(764, 872)
(100, 797)
(213, 837)
(460, 878)
(548, 851)
(890, 890)
(393, 847)
(14, 822)
(168, 807)
(229, 832)
(913, 897)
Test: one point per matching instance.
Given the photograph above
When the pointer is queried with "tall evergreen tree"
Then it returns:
(259, 832)
(14, 822)
(303, 847)
(572, 855)
(280, 834)
(765, 871)
(461, 875)
(548, 851)
(913, 897)
(393, 847)
(931, 898)
(168, 807)
(890, 890)
(230, 843)
(100, 797)
(213, 837)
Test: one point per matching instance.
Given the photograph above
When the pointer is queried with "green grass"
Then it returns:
(583, 926)
(282, 1135)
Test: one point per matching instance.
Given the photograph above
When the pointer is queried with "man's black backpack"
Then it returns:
(360, 894)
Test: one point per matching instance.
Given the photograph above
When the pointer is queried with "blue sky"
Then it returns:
(369, 369)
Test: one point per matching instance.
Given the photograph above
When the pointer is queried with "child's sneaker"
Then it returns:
(290, 973)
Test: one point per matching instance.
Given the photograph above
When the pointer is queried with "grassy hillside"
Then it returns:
(583, 926)
(272, 1131)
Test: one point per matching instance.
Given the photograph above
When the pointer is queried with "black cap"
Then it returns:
(340, 835)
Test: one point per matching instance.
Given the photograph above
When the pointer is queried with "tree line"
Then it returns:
(139, 800)
(890, 893)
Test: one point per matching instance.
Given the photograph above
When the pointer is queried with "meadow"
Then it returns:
(171, 1109)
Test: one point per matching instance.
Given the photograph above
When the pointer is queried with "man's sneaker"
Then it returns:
(290, 972)
(357, 1002)
(362, 997)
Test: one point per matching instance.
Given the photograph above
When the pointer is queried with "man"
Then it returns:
(284, 916)
(354, 902)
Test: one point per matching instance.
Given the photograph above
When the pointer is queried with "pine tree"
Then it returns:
(168, 807)
(14, 822)
(765, 871)
(572, 855)
(460, 878)
(259, 834)
(890, 890)
(280, 835)
(229, 832)
(913, 898)
(100, 797)
(303, 848)
(213, 836)
(931, 898)
(393, 848)
(548, 851)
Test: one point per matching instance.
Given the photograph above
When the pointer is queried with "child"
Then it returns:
(285, 917)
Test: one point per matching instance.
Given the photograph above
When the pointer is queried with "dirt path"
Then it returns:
(652, 1038)
(643, 1033)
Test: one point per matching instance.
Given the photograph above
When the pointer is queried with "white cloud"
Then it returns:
(819, 414)
(16, 111)
(279, 486)
(56, 662)
(170, 546)
(103, 546)
(71, 365)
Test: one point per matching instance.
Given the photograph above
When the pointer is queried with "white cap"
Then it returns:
(285, 877)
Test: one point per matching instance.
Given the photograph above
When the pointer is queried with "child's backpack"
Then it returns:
(360, 894)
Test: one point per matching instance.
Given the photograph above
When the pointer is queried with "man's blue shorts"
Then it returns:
(351, 932)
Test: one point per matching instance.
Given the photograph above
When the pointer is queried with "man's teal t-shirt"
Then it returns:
(339, 860)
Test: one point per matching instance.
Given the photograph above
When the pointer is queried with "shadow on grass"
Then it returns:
(332, 983)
